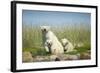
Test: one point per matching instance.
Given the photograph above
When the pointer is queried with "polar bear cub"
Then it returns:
(68, 47)
(51, 41)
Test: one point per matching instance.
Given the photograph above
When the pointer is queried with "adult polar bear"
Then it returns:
(55, 46)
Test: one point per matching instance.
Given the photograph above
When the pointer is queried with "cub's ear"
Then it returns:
(50, 42)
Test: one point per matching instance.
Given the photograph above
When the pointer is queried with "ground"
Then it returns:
(38, 55)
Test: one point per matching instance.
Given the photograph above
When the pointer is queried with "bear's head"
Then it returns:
(45, 29)
(64, 42)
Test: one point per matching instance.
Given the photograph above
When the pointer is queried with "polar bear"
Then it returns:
(50, 38)
(48, 45)
(68, 47)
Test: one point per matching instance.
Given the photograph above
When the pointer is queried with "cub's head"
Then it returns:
(49, 43)
(64, 42)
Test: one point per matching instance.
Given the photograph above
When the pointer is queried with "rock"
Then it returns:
(68, 57)
(57, 59)
(85, 56)
(53, 57)
(65, 57)
(27, 57)
(73, 57)
(41, 58)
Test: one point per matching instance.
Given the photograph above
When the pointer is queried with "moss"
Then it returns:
(36, 51)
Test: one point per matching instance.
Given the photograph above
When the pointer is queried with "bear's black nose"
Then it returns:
(44, 29)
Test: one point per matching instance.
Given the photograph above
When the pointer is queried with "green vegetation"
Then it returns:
(36, 51)
(32, 38)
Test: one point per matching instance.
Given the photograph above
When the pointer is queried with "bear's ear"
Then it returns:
(50, 42)
(46, 27)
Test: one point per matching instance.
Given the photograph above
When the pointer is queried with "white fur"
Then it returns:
(78, 45)
(56, 47)
(68, 47)
(48, 45)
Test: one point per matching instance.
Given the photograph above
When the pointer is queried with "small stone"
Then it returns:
(73, 57)
(27, 57)
(57, 59)
(85, 56)
(53, 57)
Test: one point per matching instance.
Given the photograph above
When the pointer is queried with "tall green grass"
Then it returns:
(32, 37)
